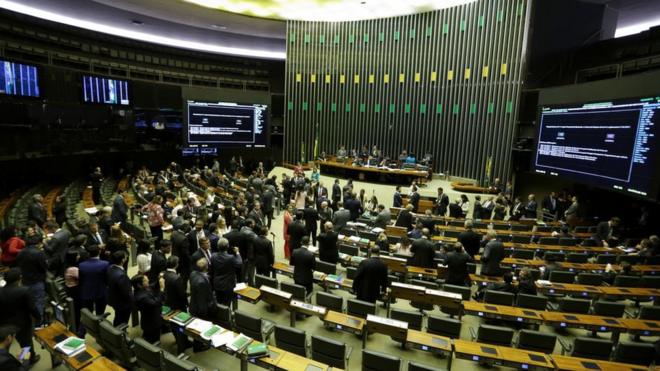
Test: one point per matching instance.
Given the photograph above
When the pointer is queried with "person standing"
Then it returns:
(175, 286)
(119, 208)
(93, 282)
(296, 231)
(469, 239)
(457, 269)
(303, 263)
(414, 199)
(341, 217)
(328, 251)
(159, 260)
(120, 292)
(423, 251)
(493, 254)
(288, 218)
(155, 219)
(224, 266)
(11, 245)
(530, 207)
(37, 210)
(32, 263)
(262, 249)
(18, 309)
(202, 300)
(149, 303)
(397, 199)
(336, 194)
(371, 281)
(383, 218)
(311, 217)
(441, 203)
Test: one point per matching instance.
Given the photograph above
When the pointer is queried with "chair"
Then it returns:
(536, 341)
(585, 347)
(91, 323)
(443, 326)
(147, 355)
(330, 352)
(261, 280)
(549, 241)
(521, 227)
(608, 309)
(465, 293)
(570, 305)
(349, 250)
(535, 302)
(632, 259)
(493, 335)
(224, 316)
(297, 291)
(591, 279)
(568, 241)
(330, 301)
(499, 297)
(562, 277)
(581, 229)
(412, 366)
(472, 268)
(652, 282)
(376, 361)
(523, 254)
(428, 285)
(414, 319)
(351, 272)
(521, 239)
(627, 281)
(577, 257)
(116, 342)
(606, 259)
(452, 234)
(171, 363)
(634, 353)
(501, 227)
(504, 238)
(291, 339)
(325, 267)
(649, 312)
(253, 327)
(360, 308)
(555, 256)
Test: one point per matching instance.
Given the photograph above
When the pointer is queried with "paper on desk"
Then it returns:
(199, 325)
(240, 286)
(378, 230)
(544, 282)
(91, 210)
(221, 339)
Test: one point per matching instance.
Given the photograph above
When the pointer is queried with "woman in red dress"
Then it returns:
(288, 217)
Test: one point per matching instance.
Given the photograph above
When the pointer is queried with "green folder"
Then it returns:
(334, 277)
(165, 309)
(73, 343)
(182, 317)
(256, 350)
(212, 331)
(240, 342)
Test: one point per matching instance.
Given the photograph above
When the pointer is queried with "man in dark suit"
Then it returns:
(414, 199)
(224, 266)
(204, 251)
(383, 218)
(257, 215)
(195, 235)
(457, 269)
(119, 208)
(550, 205)
(530, 207)
(56, 246)
(311, 217)
(441, 203)
(423, 251)
(478, 208)
(93, 282)
(296, 231)
(469, 239)
(405, 218)
(7, 361)
(517, 210)
(33, 265)
(238, 239)
(149, 302)
(370, 281)
(427, 220)
(605, 230)
(341, 217)
(397, 200)
(336, 194)
(120, 292)
(493, 255)
(95, 235)
(159, 260)
(354, 206)
(202, 300)
(262, 251)
(487, 208)
(37, 210)
(18, 309)
(175, 286)
(455, 210)
(303, 263)
(267, 203)
(328, 251)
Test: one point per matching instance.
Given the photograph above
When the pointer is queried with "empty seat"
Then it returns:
(493, 335)
(570, 305)
(635, 353)
(330, 352)
(376, 361)
(652, 282)
(330, 301)
(499, 297)
(91, 323)
(591, 279)
(521, 227)
(253, 327)
(577, 257)
(147, 355)
(291, 340)
(360, 308)
(297, 291)
(520, 239)
(327, 268)
(581, 229)
(568, 241)
(523, 254)
(562, 277)
(608, 308)
(536, 302)
(448, 327)
(260, 280)
(414, 319)
(351, 272)
(172, 363)
(537, 341)
(116, 342)
(585, 347)
(606, 259)
(649, 312)
(548, 241)
(554, 256)
(632, 259)
(224, 316)
(501, 227)
(627, 281)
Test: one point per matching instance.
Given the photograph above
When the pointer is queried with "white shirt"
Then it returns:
(144, 262)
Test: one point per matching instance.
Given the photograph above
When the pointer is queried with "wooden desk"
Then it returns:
(293, 362)
(250, 294)
(47, 337)
(585, 321)
(344, 322)
(569, 288)
(428, 342)
(483, 280)
(503, 312)
(642, 327)
(444, 228)
(397, 175)
(426, 272)
(646, 269)
(564, 363)
(503, 356)
(270, 362)
(630, 292)
(275, 297)
(397, 330)
(103, 364)
(283, 268)
(394, 264)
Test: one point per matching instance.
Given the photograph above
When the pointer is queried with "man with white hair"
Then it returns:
(470, 239)
(224, 265)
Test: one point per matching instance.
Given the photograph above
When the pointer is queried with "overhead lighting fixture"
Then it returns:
(636, 28)
(17, 7)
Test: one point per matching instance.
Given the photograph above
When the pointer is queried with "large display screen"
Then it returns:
(612, 145)
(105, 90)
(225, 124)
(18, 79)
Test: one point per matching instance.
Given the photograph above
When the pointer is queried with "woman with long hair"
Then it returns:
(11, 245)
(288, 218)
(117, 241)
(155, 218)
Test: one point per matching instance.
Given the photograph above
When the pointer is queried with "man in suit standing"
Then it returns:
(96, 236)
(605, 230)
(383, 218)
(224, 266)
(354, 206)
(37, 210)
(56, 246)
(33, 265)
(262, 251)
(341, 217)
(457, 270)
(405, 218)
(455, 210)
(550, 204)
(149, 302)
(311, 217)
(195, 235)
(478, 208)
(180, 247)
(469, 239)
(397, 200)
(441, 203)
(414, 199)
(325, 213)
(175, 286)
(296, 231)
(257, 215)
(159, 260)
(202, 300)
(487, 208)
(370, 281)
(530, 207)
(516, 212)
(328, 251)
(18, 309)
(120, 292)
(427, 220)
(493, 255)
(119, 208)
(423, 251)
(204, 251)
(267, 201)
(93, 282)
(336, 194)
(303, 263)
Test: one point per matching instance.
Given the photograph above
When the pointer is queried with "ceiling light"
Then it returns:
(636, 28)
(17, 7)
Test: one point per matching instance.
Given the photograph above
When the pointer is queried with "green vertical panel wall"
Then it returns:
(461, 121)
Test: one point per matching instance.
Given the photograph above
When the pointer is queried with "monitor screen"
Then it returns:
(105, 90)
(18, 79)
(225, 124)
(612, 145)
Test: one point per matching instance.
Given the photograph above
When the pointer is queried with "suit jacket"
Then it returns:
(17, 307)
(490, 260)
(397, 200)
(370, 279)
(158, 265)
(262, 249)
(405, 219)
(471, 241)
(441, 204)
(428, 223)
(296, 233)
(303, 263)
(33, 265)
(267, 201)
(604, 231)
(175, 291)
(336, 193)
(56, 249)
(181, 249)
(93, 278)
(311, 217)
(455, 210)
(340, 218)
(192, 240)
(92, 239)
(325, 215)
(120, 292)
(224, 267)
(9, 363)
(527, 287)
(202, 300)
(37, 212)
(149, 304)
(354, 207)
(530, 210)
(259, 218)
(198, 255)
(516, 211)
(240, 240)
(383, 219)
(414, 201)
(477, 211)
(328, 251)
(119, 210)
(547, 204)
(457, 270)
(423, 253)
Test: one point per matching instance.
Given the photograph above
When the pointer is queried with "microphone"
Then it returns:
(272, 234)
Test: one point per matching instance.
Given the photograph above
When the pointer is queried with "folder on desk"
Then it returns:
(208, 334)
(165, 310)
(257, 350)
(182, 318)
(239, 343)
(71, 346)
